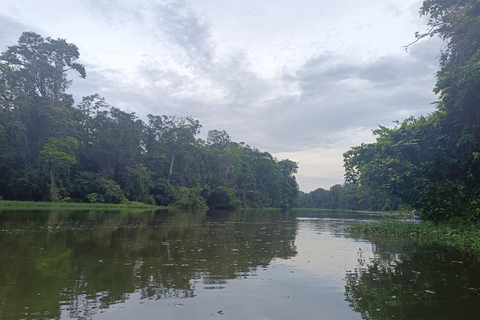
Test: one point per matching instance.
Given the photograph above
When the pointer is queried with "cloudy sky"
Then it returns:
(304, 80)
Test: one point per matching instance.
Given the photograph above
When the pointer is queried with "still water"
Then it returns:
(237, 265)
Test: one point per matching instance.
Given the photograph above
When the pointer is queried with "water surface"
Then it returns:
(237, 265)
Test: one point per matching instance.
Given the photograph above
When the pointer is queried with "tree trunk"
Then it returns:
(53, 188)
(171, 166)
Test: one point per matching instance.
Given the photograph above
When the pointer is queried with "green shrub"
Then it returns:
(190, 199)
(223, 198)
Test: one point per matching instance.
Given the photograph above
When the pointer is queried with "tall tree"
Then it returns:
(38, 66)
(174, 134)
(219, 138)
(34, 102)
(289, 169)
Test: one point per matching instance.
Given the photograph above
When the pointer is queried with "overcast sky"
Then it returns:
(304, 80)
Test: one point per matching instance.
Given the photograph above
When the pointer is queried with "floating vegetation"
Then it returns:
(462, 235)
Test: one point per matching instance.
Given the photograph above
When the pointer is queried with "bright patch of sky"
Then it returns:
(304, 80)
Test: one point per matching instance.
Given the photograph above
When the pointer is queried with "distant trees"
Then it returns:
(433, 162)
(94, 152)
(348, 196)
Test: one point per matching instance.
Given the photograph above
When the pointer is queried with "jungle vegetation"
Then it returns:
(52, 149)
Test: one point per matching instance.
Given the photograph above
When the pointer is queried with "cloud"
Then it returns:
(336, 94)
(184, 74)
(10, 31)
(177, 21)
(116, 12)
(330, 100)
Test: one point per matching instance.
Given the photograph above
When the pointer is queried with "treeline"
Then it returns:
(53, 150)
(433, 162)
(349, 196)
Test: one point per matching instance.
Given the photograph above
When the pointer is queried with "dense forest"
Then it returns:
(433, 162)
(54, 150)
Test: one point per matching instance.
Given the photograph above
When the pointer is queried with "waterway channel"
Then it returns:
(243, 264)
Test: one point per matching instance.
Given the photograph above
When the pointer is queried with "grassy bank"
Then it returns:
(4, 204)
(460, 234)
(311, 209)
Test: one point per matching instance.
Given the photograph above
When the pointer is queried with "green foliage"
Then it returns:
(137, 184)
(190, 199)
(163, 192)
(38, 66)
(218, 138)
(349, 196)
(82, 184)
(110, 192)
(420, 163)
(459, 233)
(113, 193)
(223, 198)
(60, 153)
(97, 153)
(174, 134)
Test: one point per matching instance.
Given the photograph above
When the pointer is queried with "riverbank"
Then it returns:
(5, 204)
(459, 234)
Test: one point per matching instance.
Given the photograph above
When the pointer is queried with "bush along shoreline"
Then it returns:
(461, 234)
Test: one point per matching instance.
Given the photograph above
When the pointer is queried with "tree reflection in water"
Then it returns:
(83, 262)
(408, 279)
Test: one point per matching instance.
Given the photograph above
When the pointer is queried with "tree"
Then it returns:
(35, 107)
(115, 142)
(137, 182)
(190, 199)
(173, 134)
(222, 198)
(163, 192)
(59, 154)
(288, 169)
(38, 66)
(219, 138)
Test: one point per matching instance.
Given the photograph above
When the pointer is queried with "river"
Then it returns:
(246, 264)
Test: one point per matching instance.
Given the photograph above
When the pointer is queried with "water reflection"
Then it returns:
(413, 279)
(80, 262)
(237, 265)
